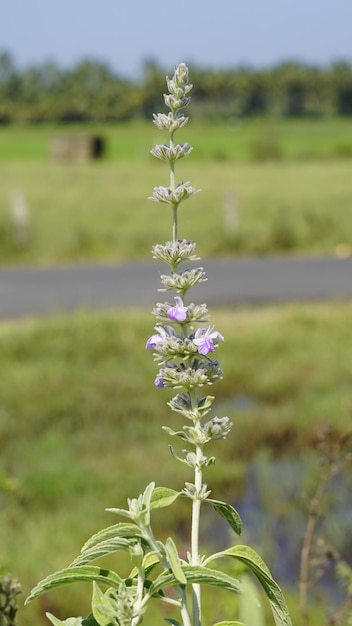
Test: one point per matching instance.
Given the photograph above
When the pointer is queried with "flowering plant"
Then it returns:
(183, 345)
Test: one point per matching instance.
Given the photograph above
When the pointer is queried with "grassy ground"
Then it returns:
(100, 211)
(241, 140)
(80, 420)
(268, 186)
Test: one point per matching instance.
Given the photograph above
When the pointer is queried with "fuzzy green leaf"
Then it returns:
(162, 497)
(147, 495)
(254, 562)
(70, 621)
(102, 549)
(102, 610)
(122, 529)
(196, 574)
(150, 560)
(122, 512)
(227, 512)
(81, 573)
(174, 560)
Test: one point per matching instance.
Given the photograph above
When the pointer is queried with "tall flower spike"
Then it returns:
(176, 100)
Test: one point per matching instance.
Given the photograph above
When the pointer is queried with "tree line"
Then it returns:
(92, 91)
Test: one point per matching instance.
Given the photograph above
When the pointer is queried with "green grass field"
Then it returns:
(257, 199)
(80, 421)
(240, 140)
(101, 212)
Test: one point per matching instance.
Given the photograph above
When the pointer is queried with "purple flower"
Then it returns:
(164, 333)
(204, 339)
(177, 313)
(158, 382)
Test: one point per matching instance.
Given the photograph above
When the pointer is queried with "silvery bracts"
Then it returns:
(176, 100)
(184, 342)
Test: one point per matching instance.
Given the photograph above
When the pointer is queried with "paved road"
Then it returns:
(29, 291)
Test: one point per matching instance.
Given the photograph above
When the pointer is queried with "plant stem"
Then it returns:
(139, 595)
(307, 544)
(198, 478)
(173, 187)
(174, 222)
(179, 590)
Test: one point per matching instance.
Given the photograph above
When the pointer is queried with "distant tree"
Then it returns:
(255, 94)
(91, 91)
(7, 68)
(341, 78)
(9, 86)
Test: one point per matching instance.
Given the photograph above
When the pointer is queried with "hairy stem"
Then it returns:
(174, 223)
(196, 505)
(173, 187)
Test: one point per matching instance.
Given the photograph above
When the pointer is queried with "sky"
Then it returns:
(208, 33)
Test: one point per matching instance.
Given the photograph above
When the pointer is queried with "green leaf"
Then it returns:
(196, 574)
(254, 562)
(90, 621)
(150, 560)
(147, 495)
(229, 624)
(227, 512)
(122, 512)
(81, 573)
(175, 433)
(174, 560)
(163, 496)
(70, 621)
(122, 529)
(102, 549)
(101, 607)
(172, 621)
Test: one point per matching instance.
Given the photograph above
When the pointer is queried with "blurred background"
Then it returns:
(271, 127)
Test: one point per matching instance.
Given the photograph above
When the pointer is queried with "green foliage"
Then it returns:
(92, 91)
(67, 391)
(178, 572)
(70, 621)
(252, 560)
(78, 573)
(228, 513)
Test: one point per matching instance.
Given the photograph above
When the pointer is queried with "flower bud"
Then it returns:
(165, 153)
(184, 280)
(136, 553)
(169, 122)
(173, 252)
(170, 196)
(217, 428)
